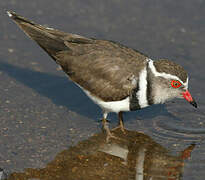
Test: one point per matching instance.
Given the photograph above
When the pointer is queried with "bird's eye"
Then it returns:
(175, 84)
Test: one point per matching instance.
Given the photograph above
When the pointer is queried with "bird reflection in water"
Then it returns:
(133, 156)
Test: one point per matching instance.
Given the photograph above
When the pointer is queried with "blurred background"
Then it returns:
(43, 113)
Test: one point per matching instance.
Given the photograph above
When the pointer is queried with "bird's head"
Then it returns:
(169, 80)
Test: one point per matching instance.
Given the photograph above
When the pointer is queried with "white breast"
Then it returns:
(142, 93)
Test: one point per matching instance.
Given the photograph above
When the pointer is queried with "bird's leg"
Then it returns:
(121, 124)
(105, 123)
(106, 127)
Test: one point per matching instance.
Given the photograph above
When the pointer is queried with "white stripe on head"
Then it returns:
(163, 74)
(186, 83)
(142, 93)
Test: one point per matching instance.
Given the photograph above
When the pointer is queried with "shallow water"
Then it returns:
(133, 156)
(43, 114)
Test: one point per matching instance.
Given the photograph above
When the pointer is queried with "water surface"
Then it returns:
(43, 114)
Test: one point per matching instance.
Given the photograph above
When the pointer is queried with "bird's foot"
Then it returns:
(111, 136)
(121, 128)
(121, 124)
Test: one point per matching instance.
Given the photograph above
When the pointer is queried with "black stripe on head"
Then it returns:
(134, 102)
(149, 87)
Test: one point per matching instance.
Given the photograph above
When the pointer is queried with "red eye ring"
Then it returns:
(175, 84)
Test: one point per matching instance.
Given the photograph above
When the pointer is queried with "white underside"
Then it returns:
(111, 106)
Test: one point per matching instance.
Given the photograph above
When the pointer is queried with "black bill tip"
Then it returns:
(193, 103)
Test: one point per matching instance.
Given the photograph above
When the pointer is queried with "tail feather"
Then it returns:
(49, 39)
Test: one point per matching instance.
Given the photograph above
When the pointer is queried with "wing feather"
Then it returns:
(105, 69)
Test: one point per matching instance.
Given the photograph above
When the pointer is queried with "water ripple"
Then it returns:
(179, 123)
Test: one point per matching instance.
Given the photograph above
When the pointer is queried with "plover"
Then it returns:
(115, 77)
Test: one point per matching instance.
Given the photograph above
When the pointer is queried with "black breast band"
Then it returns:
(134, 102)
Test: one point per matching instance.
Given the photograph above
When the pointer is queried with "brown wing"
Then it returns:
(106, 69)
